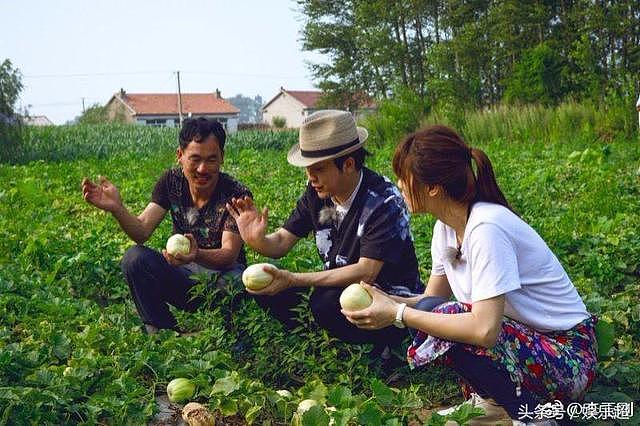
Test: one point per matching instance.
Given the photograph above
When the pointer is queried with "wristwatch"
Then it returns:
(399, 313)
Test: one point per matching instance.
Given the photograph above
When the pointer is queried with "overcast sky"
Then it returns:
(73, 49)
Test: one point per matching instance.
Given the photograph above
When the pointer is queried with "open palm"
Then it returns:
(103, 194)
(251, 223)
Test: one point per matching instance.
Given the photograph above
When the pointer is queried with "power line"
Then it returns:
(96, 74)
(108, 74)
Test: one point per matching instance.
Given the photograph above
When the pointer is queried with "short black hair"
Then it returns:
(199, 129)
(358, 156)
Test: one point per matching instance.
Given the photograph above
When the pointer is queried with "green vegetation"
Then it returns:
(473, 54)
(279, 122)
(71, 349)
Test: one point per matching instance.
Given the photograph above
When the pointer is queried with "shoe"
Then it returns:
(494, 414)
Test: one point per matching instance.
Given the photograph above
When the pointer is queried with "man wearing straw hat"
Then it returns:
(360, 223)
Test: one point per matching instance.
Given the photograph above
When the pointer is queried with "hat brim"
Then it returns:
(295, 157)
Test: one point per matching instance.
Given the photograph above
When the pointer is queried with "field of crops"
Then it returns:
(71, 350)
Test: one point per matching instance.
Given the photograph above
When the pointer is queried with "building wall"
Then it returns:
(115, 108)
(229, 122)
(285, 106)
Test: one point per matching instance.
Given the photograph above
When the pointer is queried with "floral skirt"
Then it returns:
(557, 365)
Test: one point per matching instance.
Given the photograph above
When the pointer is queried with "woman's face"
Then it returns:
(402, 186)
(423, 201)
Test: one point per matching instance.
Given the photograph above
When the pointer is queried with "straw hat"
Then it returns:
(324, 135)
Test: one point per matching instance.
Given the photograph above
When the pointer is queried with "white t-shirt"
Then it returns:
(501, 254)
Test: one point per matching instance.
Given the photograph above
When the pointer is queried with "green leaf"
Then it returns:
(383, 393)
(465, 413)
(315, 416)
(370, 415)
(252, 413)
(228, 407)
(605, 335)
(340, 397)
(226, 385)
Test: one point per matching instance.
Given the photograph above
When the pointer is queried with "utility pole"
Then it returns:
(83, 110)
(179, 99)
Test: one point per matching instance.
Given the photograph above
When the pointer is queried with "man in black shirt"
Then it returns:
(196, 194)
(360, 222)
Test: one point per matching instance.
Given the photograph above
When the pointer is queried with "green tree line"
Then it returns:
(475, 53)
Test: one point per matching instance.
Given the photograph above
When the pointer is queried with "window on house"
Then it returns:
(157, 122)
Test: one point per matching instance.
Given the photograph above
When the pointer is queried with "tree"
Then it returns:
(95, 114)
(536, 78)
(10, 88)
(249, 108)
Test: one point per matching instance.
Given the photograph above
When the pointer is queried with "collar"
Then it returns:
(344, 208)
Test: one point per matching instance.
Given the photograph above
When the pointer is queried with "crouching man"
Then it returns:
(195, 193)
(361, 227)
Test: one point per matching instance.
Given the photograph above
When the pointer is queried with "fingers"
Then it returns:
(358, 320)
(170, 259)
(192, 241)
(271, 270)
(373, 290)
(232, 209)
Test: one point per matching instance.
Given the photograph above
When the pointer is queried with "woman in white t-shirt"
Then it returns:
(518, 332)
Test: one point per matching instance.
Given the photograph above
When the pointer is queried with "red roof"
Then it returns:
(307, 97)
(167, 103)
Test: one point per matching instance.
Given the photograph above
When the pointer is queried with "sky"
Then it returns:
(68, 50)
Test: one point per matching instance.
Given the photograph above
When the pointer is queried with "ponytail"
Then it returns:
(487, 188)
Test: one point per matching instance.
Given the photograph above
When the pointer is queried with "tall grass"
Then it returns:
(68, 143)
(569, 121)
(536, 123)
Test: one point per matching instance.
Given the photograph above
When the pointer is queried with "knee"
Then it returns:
(452, 308)
(134, 257)
(325, 303)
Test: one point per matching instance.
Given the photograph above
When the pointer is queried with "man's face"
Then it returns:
(326, 179)
(201, 163)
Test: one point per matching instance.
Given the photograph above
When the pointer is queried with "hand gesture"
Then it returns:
(380, 314)
(251, 223)
(282, 280)
(182, 259)
(103, 194)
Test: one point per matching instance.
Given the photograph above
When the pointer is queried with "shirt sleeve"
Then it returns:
(437, 266)
(385, 234)
(160, 194)
(299, 222)
(494, 265)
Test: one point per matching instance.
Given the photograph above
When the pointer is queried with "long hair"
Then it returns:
(437, 155)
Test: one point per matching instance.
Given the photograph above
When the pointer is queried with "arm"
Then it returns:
(140, 228)
(223, 257)
(438, 285)
(479, 327)
(276, 244)
(253, 225)
(220, 258)
(105, 196)
(365, 269)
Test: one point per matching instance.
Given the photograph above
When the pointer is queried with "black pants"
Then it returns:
(155, 284)
(325, 307)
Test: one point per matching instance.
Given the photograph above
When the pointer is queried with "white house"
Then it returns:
(296, 105)
(37, 120)
(161, 109)
(292, 105)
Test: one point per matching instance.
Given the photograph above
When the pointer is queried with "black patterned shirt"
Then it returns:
(376, 226)
(207, 223)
